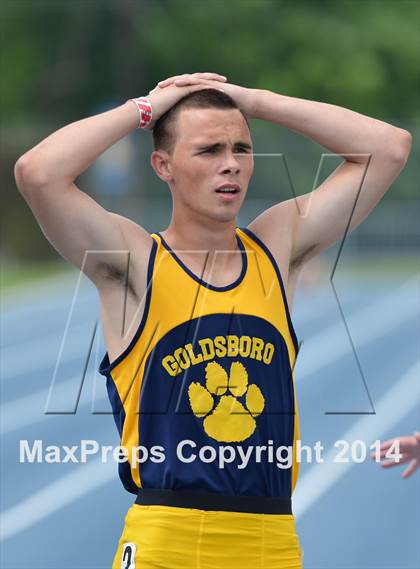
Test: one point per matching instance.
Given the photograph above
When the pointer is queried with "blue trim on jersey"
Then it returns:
(277, 269)
(105, 366)
(118, 411)
(116, 403)
(201, 281)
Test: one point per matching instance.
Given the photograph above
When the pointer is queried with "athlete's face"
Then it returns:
(213, 148)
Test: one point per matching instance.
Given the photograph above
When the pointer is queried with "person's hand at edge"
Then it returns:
(409, 450)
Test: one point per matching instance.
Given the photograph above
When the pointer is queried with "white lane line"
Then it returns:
(54, 303)
(83, 479)
(45, 350)
(19, 332)
(30, 409)
(18, 364)
(394, 405)
(14, 361)
(310, 305)
(365, 325)
(35, 299)
(40, 353)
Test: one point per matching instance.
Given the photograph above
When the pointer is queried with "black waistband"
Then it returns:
(213, 501)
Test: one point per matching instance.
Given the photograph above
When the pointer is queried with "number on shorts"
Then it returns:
(129, 556)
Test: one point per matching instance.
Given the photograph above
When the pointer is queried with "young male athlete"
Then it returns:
(202, 378)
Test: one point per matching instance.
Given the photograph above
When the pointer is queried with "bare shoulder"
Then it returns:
(275, 227)
(134, 233)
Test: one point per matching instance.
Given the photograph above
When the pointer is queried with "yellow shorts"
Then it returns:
(167, 537)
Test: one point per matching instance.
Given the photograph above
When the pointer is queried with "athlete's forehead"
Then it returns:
(200, 128)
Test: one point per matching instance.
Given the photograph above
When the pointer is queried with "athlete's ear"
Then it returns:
(161, 164)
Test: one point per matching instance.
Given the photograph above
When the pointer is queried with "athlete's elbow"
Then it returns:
(28, 173)
(400, 146)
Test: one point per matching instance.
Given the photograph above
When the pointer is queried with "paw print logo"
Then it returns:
(226, 419)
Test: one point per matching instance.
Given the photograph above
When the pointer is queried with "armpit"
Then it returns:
(300, 259)
(114, 275)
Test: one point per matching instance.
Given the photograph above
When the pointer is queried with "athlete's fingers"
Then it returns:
(213, 76)
(207, 75)
(187, 81)
(182, 81)
(201, 85)
(169, 80)
(204, 83)
(192, 77)
(412, 467)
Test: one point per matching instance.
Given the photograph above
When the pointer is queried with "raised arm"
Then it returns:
(374, 153)
(71, 220)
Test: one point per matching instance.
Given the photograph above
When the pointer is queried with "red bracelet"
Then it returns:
(145, 111)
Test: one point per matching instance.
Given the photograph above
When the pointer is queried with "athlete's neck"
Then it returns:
(199, 237)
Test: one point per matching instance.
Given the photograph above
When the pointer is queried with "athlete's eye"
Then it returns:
(239, 150)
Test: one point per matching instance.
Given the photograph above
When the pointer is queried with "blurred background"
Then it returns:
(64, 60)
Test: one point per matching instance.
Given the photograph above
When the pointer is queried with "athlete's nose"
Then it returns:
(230, 164)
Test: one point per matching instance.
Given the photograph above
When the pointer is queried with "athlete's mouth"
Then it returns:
(228, 189)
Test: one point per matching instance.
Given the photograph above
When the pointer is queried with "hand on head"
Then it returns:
(169, 91)
(191, 79)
